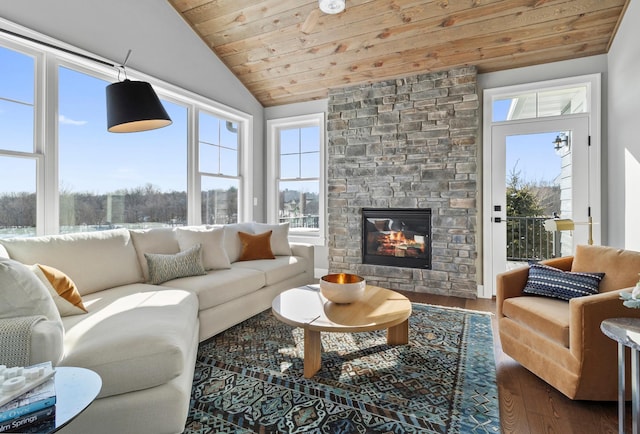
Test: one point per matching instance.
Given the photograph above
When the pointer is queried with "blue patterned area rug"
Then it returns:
(249, 379)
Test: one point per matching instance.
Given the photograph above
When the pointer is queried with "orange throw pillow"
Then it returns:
(255, 246)
(64, 292)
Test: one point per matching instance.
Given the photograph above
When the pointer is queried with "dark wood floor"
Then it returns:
(528, 405)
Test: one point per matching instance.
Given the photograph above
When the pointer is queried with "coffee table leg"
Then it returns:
(312, 358)
(399, 334)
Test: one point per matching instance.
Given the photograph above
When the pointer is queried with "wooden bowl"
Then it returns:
(342, 288)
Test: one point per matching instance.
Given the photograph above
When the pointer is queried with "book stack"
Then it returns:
(27, 399)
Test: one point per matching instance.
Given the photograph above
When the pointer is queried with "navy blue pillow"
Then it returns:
(565, 285)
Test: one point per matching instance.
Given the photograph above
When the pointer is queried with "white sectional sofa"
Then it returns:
(142, 338)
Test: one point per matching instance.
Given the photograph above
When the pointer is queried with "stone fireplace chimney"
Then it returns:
(407, 143)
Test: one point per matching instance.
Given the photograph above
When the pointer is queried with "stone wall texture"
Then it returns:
(407, 143)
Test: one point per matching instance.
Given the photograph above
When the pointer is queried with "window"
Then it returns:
(63, 172)
(219, 169)
(530, 105)
(18, 160)
(111, 180)
(296, 176)
(17, 100)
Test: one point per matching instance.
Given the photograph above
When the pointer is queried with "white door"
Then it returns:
(541, 158)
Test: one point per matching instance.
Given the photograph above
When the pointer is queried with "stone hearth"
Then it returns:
(407, 143)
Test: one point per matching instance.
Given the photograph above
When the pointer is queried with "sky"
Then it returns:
(532, 155)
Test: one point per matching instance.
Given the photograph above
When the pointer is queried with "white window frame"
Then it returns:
(274, 126)
(48, 60)
(37, 151)
(245, 164)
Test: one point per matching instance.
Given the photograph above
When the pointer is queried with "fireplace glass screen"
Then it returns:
(396, 237)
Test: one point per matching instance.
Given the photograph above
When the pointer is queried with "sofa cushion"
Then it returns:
(279, 237)
(62, 289)
(167, 267)
(547, 316)
(23, 294)
(232, 243)
(88, 258)
(214, 256)
(621, 266)
(565, 285)
(135, 336)
(157, 240)
(276, 270)
(221, 286)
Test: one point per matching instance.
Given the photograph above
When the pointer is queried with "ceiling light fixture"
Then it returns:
(331, 6)
(133, 106)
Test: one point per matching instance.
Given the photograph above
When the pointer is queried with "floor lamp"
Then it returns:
(557, 225)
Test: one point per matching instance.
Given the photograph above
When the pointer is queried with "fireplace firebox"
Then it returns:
(396, 237)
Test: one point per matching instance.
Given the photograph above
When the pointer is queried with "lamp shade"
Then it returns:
(553, 225)
(134, 106)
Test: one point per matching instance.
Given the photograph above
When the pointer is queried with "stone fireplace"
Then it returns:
(396, 237)
(409, 143)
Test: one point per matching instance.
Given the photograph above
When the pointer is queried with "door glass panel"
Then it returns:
(538, 187)
(555, 102)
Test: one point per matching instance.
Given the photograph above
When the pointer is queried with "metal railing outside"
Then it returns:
(306, 221)
(527, 240)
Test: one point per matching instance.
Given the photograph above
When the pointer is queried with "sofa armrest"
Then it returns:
(511, 283)
(586, 315)
(27, 340)
(306, 251)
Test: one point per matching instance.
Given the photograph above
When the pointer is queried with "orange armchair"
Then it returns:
(561, 341)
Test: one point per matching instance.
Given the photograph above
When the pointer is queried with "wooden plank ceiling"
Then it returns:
(287, 51)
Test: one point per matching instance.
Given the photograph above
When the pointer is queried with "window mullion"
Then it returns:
(47, 143)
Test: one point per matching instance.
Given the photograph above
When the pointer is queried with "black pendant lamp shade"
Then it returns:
(134, 106)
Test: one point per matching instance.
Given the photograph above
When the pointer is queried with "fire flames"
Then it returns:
(395, 243)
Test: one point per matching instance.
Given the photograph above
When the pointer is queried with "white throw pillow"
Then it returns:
(232, 243)
(23, 294)
(214, 256)
(279, 237)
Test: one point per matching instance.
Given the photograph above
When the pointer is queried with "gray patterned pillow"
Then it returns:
(168, 267)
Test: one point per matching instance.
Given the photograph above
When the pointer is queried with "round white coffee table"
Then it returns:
(306, 307)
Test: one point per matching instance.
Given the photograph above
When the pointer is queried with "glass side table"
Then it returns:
(626, 331)
(76, 388)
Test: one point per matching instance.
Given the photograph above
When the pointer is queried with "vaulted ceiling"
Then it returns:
(287, 51)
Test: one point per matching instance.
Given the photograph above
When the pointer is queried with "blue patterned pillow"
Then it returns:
(565, 285)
